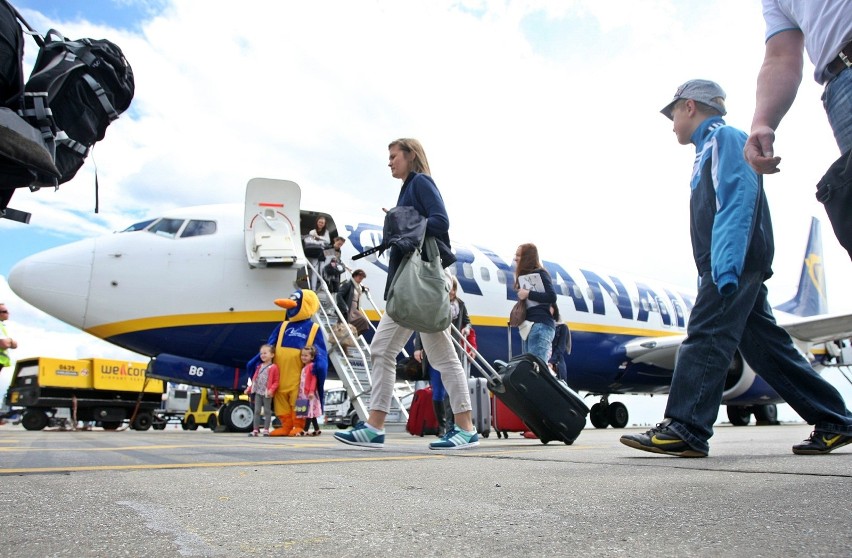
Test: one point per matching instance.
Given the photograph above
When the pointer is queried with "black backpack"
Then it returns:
(76, 89)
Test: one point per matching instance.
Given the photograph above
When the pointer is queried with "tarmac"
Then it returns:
(199, 494)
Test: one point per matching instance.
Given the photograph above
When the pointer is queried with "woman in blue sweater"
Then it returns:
(535, 286)
(407, 161)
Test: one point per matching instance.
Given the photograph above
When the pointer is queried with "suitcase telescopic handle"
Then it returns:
(495, 381)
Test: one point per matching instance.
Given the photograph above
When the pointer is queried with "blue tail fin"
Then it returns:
(811, 298)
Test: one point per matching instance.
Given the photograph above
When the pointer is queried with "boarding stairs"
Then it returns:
(349, 354)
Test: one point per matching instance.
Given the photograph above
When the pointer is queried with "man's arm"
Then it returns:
(777, 84)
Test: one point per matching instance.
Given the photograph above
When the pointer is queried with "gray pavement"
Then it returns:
(182, 493)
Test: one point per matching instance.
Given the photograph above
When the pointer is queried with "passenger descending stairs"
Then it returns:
(350, 357)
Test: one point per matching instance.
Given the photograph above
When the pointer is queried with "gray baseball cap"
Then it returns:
(701, 90)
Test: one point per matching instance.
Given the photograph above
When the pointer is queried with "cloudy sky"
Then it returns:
(540, 120)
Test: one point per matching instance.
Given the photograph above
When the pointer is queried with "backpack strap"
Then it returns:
(96, 87)
(28, 29)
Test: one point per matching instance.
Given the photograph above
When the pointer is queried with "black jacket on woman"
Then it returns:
(561, 346)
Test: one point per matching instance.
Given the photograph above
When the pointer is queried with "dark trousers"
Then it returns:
(312, 421)
(717, 327)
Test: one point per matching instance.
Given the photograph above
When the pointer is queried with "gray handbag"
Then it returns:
(419, 295)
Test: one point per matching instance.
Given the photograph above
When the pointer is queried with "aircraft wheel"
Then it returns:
(190, 423)
(142, 422)
(766, 414)
(110, 424)
(159, 425)
(618, 415)
(739, 416)
(597, 414)
(34, 419)
(239, 416)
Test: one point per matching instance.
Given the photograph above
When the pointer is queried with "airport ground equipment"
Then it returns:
(175, 405)
(218, 402)
(210, 408)
(48, 390)
(339, 411)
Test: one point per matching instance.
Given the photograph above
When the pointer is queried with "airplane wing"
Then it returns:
(819, 329)
(658, 351)
(662, 351)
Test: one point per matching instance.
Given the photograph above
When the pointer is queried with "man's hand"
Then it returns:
(759, 153)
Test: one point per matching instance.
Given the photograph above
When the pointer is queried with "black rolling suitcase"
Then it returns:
(551, 409)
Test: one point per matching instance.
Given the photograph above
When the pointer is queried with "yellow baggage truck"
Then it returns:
(93, 389)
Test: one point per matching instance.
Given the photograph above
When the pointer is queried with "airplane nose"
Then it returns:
(57, 281)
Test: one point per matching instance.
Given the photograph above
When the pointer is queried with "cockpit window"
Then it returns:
(166, 227)
(138, 226)
(198, 228)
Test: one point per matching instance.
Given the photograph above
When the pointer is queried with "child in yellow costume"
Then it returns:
(288, 339)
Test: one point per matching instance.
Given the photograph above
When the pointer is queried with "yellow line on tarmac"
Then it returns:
(261, 446)
(117, 448)
(209, 465)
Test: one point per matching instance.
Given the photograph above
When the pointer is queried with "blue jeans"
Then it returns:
(717, 326)
(837, 101)
(540, 341)
(439, 393)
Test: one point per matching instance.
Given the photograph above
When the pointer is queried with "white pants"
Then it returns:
(388, 341)
(313, 277)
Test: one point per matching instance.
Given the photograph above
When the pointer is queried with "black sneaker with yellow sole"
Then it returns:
(661, 439)
(820, 442)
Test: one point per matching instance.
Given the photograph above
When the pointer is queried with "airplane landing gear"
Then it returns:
(618, 415)
(605, 414)
(763, 414)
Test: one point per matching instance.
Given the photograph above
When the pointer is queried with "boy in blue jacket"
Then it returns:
(733, 248)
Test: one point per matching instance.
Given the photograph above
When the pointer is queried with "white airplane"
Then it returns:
(194, 288)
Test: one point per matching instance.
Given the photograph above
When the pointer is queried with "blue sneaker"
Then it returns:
(456, 439)
(361, 436)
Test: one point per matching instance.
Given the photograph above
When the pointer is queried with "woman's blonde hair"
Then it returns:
(527, 262)
(418, 154)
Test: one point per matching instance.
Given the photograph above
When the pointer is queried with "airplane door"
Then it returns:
(272, 223)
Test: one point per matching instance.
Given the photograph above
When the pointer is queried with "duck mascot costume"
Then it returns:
(288, 339)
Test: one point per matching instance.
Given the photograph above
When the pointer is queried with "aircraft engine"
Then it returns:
(739, 378)
(748, 394)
